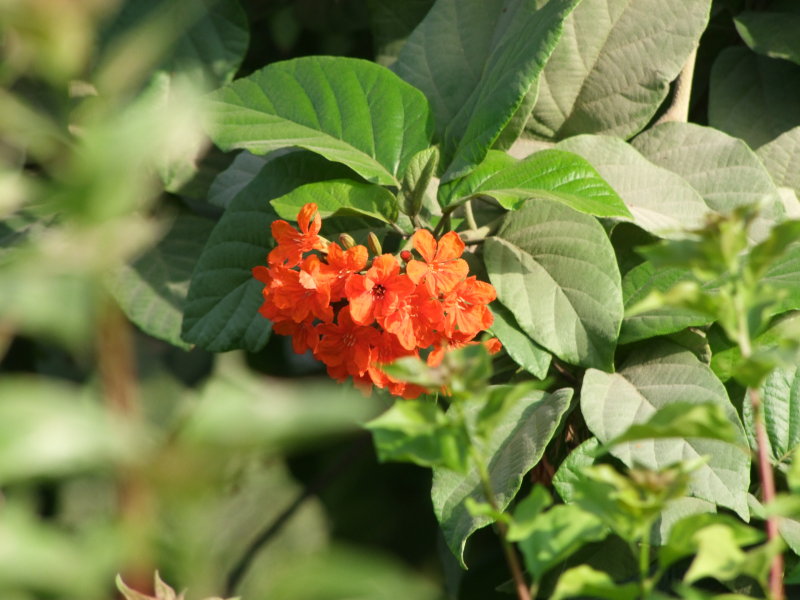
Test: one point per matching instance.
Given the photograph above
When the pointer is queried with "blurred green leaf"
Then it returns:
(585, 581)
(418, 431)
(526, 511)
(773, 34)
(152, 290)
(513, 448)
(49, 429)
(342, 108)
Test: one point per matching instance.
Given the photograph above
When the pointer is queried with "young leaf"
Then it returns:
(221, 311)
(339, 197)
(526, 511)
(152, 291)
(553, 174)
(416, 180)
(513, 448)
(683, 541)
(780, 400)
(418, 431)
(555, 270)
(652, 379)
(569, 471)
(613, 65)
(584, 581)
(476, 61)
(525, 352)
(661, 202)
(348, 110)
(752, 97)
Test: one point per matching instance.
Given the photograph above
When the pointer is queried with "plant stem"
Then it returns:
(678, 111)
(469, 216)
(523, 592)
(644, 567)
(767, 493)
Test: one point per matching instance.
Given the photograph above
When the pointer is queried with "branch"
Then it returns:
(679, 109)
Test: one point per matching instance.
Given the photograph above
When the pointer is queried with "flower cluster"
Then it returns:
(356, 316)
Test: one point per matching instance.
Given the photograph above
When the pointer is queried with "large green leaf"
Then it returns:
(637, 284)
(555, 270)
(652, 379)
(476, 61)
(235, 178)
(771, 33)
(780, 397)
(525, 352)
(339, 197)
(514, 446)
(612, 67)
(553, 174)
(348, 110)
(221, 310)
(753, 97)
(152, 290)
(661, 202)
(723, 170)
(781, 157)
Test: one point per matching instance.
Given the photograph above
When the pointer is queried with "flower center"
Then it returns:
(378, 291)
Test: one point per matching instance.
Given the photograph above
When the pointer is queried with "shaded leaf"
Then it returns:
(655, 378)
(525, 352)
(235, 178)
(555, 270)
(613, 65)
(476, 61)
(348, 110)
(773, 34)
(391, 23)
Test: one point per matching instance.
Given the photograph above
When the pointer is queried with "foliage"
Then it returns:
(624, 174)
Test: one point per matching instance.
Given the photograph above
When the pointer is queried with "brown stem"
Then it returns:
(679, 109)
(767, 493)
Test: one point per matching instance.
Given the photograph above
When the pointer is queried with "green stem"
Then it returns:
(469, 216)
(644, 568)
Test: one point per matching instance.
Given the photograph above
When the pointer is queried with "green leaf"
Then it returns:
(221, 311)
(613, 65)
(417, 179)
(47, 429)
(339, 197)
(236, 409)
(552, 174)
(773, 34)
(569, 471)
(391, 23)
(418, 431)
(555, 270)
(752, 97)
(525, 352)
(660, 201)
(476, 61)
(348, 110)
(725, 172)
(585, 581)
(780, 157)
(556, 534)
(780, 400)
(683, 541)
(526, 511)
(654, 378)
(235, 178)
(513, 448)
(152, 290)
(638, 284)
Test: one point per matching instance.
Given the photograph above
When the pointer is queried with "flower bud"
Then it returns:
(406, 256)
(374, 244)
(346, 241)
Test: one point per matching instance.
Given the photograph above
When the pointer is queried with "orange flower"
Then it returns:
(443, 268)
(379, 292)
(342, 264)
(347, 343)
(302, 293)
(465, 307)
(292, 244)
(304, 335)
(492, 345)
(416, 319)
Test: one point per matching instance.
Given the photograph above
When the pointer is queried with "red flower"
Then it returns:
(379, 292)
(292, 244)
(304, 334)
(416, 319)
(342, 264)
(465, 307)
(302, 293)
(347, 344)
(443, 268)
